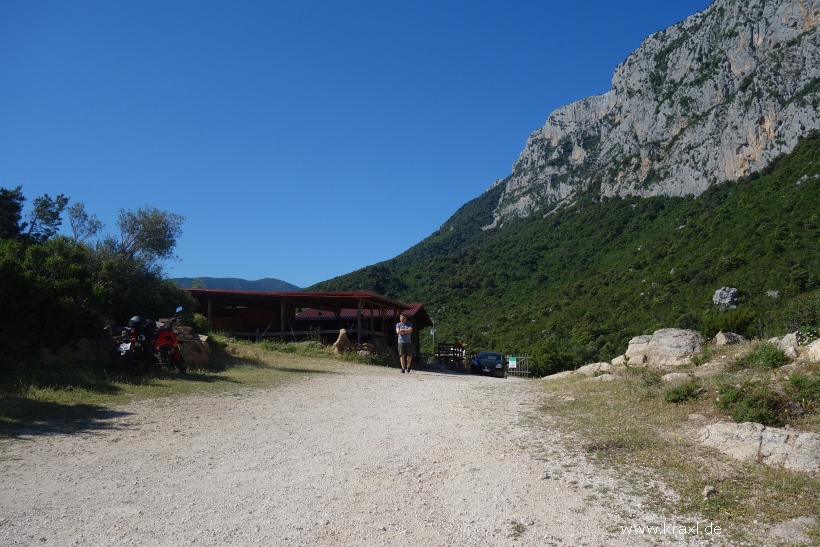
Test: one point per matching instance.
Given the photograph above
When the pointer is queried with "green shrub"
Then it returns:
(800, 313)
(682, 393)
(200, 324)
(648, 377)
(803, 388)
(753, 402)
(737, 321)
(766, 355)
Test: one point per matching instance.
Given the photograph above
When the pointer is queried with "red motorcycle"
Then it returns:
(142, 345)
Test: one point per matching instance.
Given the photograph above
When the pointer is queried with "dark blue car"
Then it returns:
(489, 363)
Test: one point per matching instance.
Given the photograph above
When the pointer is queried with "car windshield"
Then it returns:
(489, 356)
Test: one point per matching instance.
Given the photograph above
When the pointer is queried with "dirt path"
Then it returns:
(357, 456)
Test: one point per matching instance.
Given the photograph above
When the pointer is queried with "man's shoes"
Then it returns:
(402, 371)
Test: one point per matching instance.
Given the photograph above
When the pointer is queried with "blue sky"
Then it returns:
(301, 140)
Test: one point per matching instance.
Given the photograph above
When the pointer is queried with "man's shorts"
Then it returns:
(406, 349)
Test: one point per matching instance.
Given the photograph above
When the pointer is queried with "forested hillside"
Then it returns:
(235, 284)
(575, 285)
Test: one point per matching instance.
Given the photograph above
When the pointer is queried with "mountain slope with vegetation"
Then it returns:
(574, 286)
(235, 284)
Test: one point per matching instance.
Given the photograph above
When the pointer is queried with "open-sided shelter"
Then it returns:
(256, 314)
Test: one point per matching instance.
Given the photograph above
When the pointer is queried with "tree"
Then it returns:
(149, 233)
(45, 219)
(11, 207)
(82, 225)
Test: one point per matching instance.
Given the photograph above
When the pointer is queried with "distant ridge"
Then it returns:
(236, 284)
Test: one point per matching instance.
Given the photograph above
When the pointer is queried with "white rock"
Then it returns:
(676, 377)
(669, 347)
(589, 370)
(558, 375)
(750, 441)
(604, 378)
(619, 361)
(813, 353)
(725, 298)
(728, 339)
(789, 341)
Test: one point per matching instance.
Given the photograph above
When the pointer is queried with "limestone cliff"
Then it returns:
(709, 99)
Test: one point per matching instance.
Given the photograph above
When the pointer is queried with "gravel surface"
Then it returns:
(357, 455)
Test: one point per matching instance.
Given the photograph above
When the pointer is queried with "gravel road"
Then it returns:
(348, 455)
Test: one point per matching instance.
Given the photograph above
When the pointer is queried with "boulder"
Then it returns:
(791, 353)
(589, 370)
(669, 347)
(558, 375)
(728, 339)
(636, 351)
(813, 353)
(676, 377)
(49, 359)
(619, 361)
(799, 451)
(66, 353)
(194, 354)
(82, 343)
(604, 378)
(725, 298)
(790, 341)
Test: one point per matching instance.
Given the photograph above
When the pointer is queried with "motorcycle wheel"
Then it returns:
(137, 363)
(180, 364)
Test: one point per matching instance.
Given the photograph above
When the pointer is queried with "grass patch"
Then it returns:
(629, 427)
(765, 355)
(81, 397)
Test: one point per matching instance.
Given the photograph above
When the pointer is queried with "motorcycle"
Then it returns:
(143, 345)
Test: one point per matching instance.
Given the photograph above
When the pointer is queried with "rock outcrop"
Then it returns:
(712, 98)
(665, 348)
(725, 298)
(728, 339)
(773, 446)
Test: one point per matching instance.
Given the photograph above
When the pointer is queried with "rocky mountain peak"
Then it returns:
(712, 98)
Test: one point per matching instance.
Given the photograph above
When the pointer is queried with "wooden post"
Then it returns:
(210, 325)
(282, 320)
(257, 334)
(359, 333)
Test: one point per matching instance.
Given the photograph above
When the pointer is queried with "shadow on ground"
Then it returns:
(20, 416)
(438, 369)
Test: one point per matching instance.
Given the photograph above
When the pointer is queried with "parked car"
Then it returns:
(490, 363)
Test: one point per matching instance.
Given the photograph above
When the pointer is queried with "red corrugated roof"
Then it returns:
(300, 298)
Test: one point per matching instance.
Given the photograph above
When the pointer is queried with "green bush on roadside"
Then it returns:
(766, 355)
(682, 393)
(753, 402)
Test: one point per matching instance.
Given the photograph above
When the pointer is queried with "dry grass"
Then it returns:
(68, 398)
(627, 426)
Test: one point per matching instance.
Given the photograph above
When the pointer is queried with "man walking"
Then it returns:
(405, 331)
